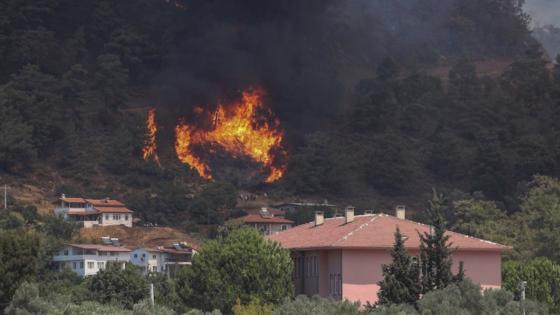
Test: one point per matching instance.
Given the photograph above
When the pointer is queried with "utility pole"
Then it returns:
(152, 301)
(523, 285)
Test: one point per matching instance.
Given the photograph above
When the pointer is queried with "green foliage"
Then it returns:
(240, 266)
(11, 220)
(467, 298)
(165, 291)
(395, 309)
(26, 300)
(209, 205)
(111, 80)
(480, 218)
(540, 210)
(58, 227)
(89, 307)
(542, 277)
(401, 279)
(120, 286)
(253, 308)
(319, 166)
(435, 250)
(145, 308)
(20, 261)
(304, 305)
(16, 147)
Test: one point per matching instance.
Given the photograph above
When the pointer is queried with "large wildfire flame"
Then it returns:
(241, 129)
(150, 146)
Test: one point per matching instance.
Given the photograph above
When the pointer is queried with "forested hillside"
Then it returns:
(349, 81)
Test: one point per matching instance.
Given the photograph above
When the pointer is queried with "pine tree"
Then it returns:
(435, 251)
(401, 278)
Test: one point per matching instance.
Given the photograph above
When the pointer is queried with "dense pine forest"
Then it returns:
(366, 116)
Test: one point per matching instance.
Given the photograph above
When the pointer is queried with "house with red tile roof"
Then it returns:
(342, 257)
(94, 212)
(267, 220)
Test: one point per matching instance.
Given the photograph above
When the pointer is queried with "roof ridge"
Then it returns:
(345, 237)
(449, 231)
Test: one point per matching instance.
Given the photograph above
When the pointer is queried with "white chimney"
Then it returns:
(400, 212)
(319, 218)
(115, 242)
(349, 214)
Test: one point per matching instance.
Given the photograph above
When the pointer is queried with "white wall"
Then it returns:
(79, 263)
(116, 219)
(147, 260)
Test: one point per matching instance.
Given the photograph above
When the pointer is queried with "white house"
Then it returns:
(88, 259)
(163, 259)
(92, 212)
(267, 220)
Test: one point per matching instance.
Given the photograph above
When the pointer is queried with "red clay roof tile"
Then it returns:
(374, 231)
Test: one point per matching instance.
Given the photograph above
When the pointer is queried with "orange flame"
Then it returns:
(240, 129)
(150, 146)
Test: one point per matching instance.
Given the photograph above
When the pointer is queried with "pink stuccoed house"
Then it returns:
(341, 257)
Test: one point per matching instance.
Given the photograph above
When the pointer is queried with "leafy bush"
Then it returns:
(304, 305)
(115, 285)
(467, 298)
(543, 280)
(242, 265)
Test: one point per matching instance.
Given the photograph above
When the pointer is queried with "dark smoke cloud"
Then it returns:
(308, 55)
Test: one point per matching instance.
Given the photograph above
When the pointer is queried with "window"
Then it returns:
(100, 265)
(65, 252)
(106, 217)
(126, 217)
(116, 217)
(135, 255)
(74, 265)
(81, 265)
(143, 255)
(154, 268)
(335, 284)
(284, 227)
(90, 265)
(154, 257)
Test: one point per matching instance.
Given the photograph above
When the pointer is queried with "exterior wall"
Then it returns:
(484, 268)
(145, 260)
(361, 271)
(88, 262)
(116, 219)
(274, 228)
(270, 228)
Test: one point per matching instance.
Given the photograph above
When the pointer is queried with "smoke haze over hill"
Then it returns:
(543, 11)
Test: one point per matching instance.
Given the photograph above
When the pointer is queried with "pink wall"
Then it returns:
(361, 271)
(484, 268)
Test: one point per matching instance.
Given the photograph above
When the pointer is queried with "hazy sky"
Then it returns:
(544, 11)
